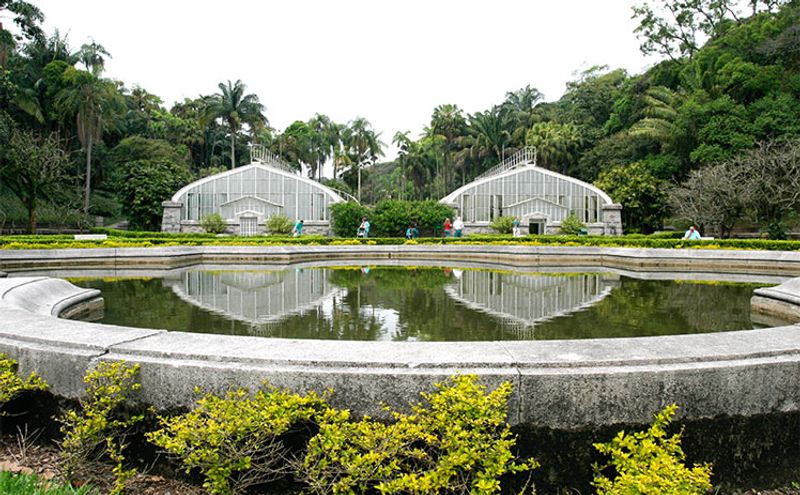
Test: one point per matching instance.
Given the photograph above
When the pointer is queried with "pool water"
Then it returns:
(405, 303)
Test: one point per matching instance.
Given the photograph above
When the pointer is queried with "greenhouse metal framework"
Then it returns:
(246, 197)
(541, 199)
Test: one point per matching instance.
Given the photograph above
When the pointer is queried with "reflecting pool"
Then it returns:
(433, 303)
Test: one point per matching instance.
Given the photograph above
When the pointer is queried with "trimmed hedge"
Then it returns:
(390, 218)
(147, 239)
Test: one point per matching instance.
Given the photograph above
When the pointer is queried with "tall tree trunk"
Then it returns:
(233, 149)
(88, 186)
(31, 207)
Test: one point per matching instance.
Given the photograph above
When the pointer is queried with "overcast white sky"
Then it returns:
(389, 61)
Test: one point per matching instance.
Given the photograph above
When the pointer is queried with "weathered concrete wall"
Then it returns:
(557, 384)
(781, 302)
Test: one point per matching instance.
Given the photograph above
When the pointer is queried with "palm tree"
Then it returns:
(448, 121)
(234, 108)
(91, 56)
(660, 114)
(325, 138)
(363, 145)
(96, 105)
(556, 144)
(520, 106)
(490, 132)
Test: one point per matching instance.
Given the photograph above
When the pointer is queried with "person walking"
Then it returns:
(298, 228)
(448, 227)
(515, 227)
(458, 226)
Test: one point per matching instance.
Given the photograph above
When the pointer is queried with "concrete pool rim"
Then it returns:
(558, 384)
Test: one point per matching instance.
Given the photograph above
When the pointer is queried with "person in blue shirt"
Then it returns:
(298, 228)
(692, 234)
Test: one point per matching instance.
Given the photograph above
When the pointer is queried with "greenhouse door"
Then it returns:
(248, 225)
(536, 227)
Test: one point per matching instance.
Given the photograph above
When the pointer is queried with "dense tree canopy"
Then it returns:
(729, 83)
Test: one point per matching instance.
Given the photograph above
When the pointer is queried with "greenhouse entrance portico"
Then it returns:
(247, 197)
(541, 199)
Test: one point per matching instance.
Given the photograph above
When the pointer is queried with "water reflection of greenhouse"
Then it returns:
(263, 299)
(520, 301)
(258, 298)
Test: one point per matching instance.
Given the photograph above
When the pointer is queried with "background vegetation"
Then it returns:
(708, 135)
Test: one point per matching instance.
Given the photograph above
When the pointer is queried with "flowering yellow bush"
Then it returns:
(11, 384)
(236, 440)
(457, 442)
(650, 463)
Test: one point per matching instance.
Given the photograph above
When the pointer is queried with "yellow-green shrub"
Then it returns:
(12, 385)
(213, 223)
(503, 225)
(236, 440)
(99, 427)
(650, 463)
(458, 441)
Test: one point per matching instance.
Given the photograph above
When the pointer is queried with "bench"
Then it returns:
(91, 237)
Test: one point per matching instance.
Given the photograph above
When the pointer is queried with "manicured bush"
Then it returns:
(346, 217)
(237, 440)
(213, 223)
(279, 224)
(98, 429)
(148, 239)
(650, 463)
(571, 225)
(457, 441)
(503, 225)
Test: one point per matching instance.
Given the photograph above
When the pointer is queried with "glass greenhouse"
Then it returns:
(246, 197)
(541, 199)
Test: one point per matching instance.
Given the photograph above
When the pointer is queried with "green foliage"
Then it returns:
(776, 231)
(100, 426)
(30, 484)
(502, 225)
(346, 217)
(12, 385)
(145, 185)
(650, 463)
(279, 224)
(213, 223)
(572, 225)
(642, 195)
(34, 169)
(391, 218)
(237, 440)
(458, 441)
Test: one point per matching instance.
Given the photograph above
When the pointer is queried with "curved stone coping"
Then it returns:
(783, 262)
(44, 295)
(557, 384)
(781, 302)
(788, 292)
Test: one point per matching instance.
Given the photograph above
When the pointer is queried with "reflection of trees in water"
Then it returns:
(649, 307)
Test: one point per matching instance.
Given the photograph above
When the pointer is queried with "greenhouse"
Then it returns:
(247, 197)
(540, 198)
